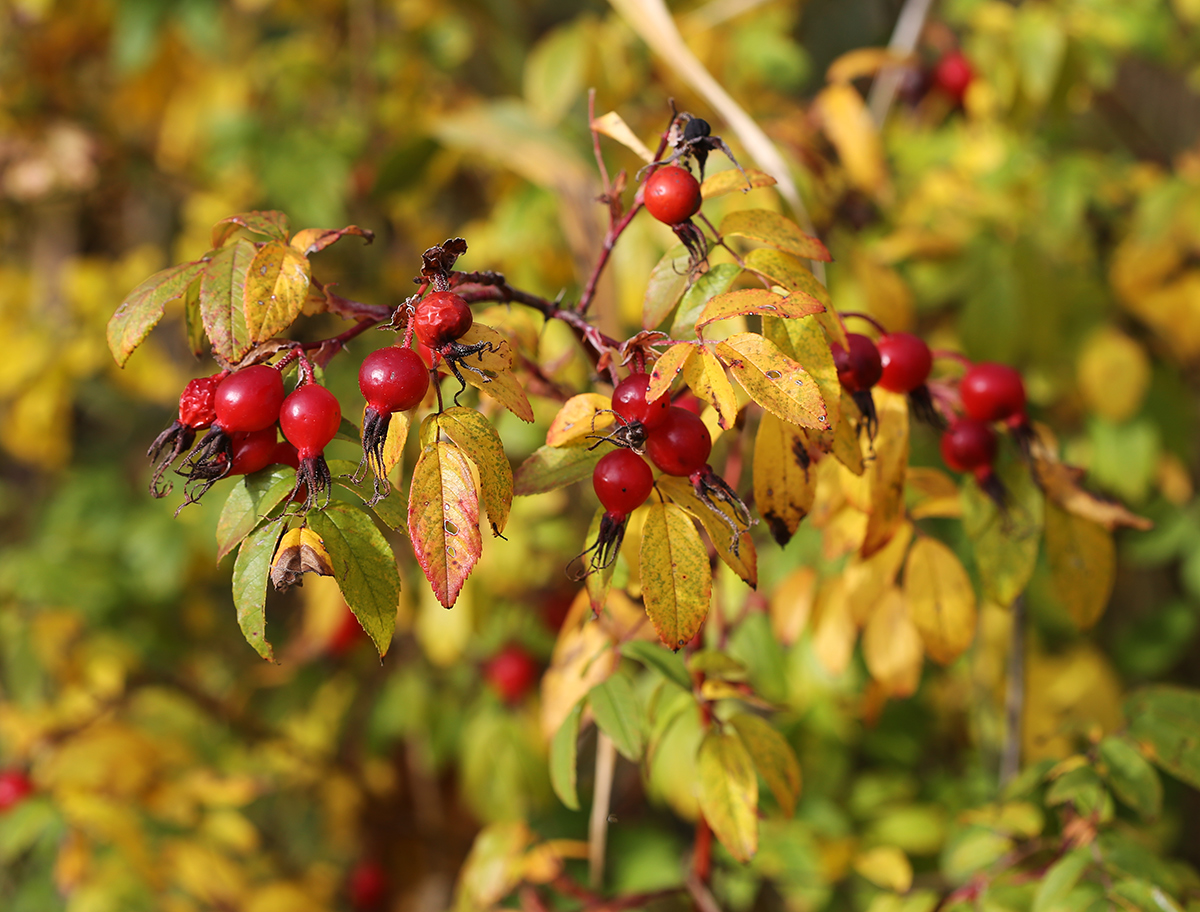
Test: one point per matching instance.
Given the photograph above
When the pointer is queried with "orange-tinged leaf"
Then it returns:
(583, 657)
(269, 223)
(774, 380)
(729, 792)
(892, 645)
(587, 413)
(791, 604)
(443, 519)
(773, 757)
(862, 62)
(1062, 484)
(613, 126)
(706, 377)
(477, 438)
(758, 302)
(498, 381)
(833, 627)
(276, 285)
(144, 307)
(886, 472)
(221, 299)
(313, 240)
(667, 368)
(940, 599)
(778, 231)
(1082, 561)
(731, 179)
(807, 343)
(850, 128)
(784, 476)
(867, 579)
(676, 576)
(720, 532)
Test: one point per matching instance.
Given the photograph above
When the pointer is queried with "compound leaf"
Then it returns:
(665, 286)
(732, 179)
(705, 375)
(714, 282)
(720, 532)
(580, 416)
(667, 368)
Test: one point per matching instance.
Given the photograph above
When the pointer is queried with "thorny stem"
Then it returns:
(606, 762)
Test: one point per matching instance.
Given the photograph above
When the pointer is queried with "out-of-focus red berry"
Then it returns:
(368, 886)
(14, 787)
(512, 672)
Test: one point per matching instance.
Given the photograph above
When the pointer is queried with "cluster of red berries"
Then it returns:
(240, 412)
(990, 393)
(899, 362)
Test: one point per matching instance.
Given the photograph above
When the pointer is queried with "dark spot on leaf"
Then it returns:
(779, 529)
(800, 452)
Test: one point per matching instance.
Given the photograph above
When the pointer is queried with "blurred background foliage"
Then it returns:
(1053, 221)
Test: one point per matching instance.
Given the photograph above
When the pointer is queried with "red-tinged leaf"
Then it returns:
(807, 343)
(249, 503)
(886, 472)
(549, 468)
(785, 476)
(771, 228)
(443, 519)
(716, 281)
(587, 413)
(706, 377)
(313, 240)
(676, 576)
(269, 223)
(477, 438)
(758, 302)
(729, 792)
(732, 179)
(665, 286)
(251, 572)
(774, 380)
(773, 758)
(221, 296)
(364, 567)
(144, 307)
(667, 368)
(745, 562)
(941, 601)
(276, 285)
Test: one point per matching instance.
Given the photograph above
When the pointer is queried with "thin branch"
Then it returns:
(1014, 700)
(606, 764)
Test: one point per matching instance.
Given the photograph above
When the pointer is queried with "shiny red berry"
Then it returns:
(629, 402)
(859, 366)
(992, 392)
(968, 445)
(512, 672)
(254, 451)
(393, 379)
(622, 480)
(953, 74)
(672, 195)
(310, 417)
(367, 886)
(286, 454)
(197, 402)
(441, 317)
(906, 362)
(14, 788)
(249, 400)
(681, 444)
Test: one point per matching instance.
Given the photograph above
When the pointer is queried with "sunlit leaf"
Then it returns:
(885, 473)
(548, 468)
(300, 551)
(364, 566)
(493, 867)
(887, 867)
(498, 381)
(564, 748)
(269, 223)
(940, 599)
(729, 792)
(807, 343)
(665, 286)
(477, 438)
(676, 576)
(706, 377)
(716, 281)
(784, 476)
(313, 240)
(933, 493)
(773, 380)
(757, 302)
(221, 299)
(732, 179)
(776, 230)
(773, 757)
(144, 307)
(612, 126)
(868, 578)
(788, 271)
(587, 413)
(833, 627)
(891, 645)
(666, 369)
(619, 715)
(251, 499)
(583, 657)
(443, 519)
(251, 573)
(720, 531)
(276, 286)
(850, 128)
(1083, 564)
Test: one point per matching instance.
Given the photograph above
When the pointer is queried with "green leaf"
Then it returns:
(676, 576)
(248, 504)
(1131, 777)
(276, 285)
(665, 286)
(556, 69)
(1083, 564)
(1164, 721)
(393, 511)
(478, 439)
(564, 747)
(1006, 540)
(716, 281)
(269, 223)
(1144, 896)
(971, 850)
(221, 297)
(774, 380)
(776, 230)
(619, 715)
(549, 468)
(666, 663)
(729, 792)
(364, 566)
(251, 571)
(773, 758)
(192, 321)
(807, 343)
(144, 307)
(758, 302)
(1060, 879)
(443, 519)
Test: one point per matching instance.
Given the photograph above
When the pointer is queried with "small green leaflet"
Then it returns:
(249, 502)
(550, 467)
(144, 307)
(729, 792)
(251, 572)
(619, 715)
(666, 663)
(564, 748)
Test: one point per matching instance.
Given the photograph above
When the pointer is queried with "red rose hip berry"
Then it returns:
(992, 392)
(681, 444)
(249, 400)
(254, 451)
(441, 317)
(953, 75)
(859, 366)
(672, 195)
(969, 445)
(310, 418)
(629, 402)
(393, 379)
(14, 788)
(512, 672)
(622, 481)
(905, 360)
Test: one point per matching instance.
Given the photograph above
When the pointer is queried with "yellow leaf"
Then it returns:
(791, 604)
(888, 297)
(393, 444)
(849, 127)
(773, 758)
(886, 471)
(758, 302)
(784, 476)
(444, 635)
(583, 657)
(731, 179)
(773, 380)
(614, 127)
(868, 578)
(936, 494)
(705, 376)
(1062, 484)
(892, 646)
(443, 518)
(498, 382)
(479, 440)
(834, 631)
(667, 368)
(580, 416)
(941, 601)
(276, 286)
(1082, 561)
(863, 62)
(807, 343)
(729, 793)
(720, 531)
(300, 551)
(676, 576)
(1114, 374)
(776, 230)
(887, 867)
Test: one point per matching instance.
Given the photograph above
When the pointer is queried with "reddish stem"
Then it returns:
(702, 854)
(944, 354)
(845, 314)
